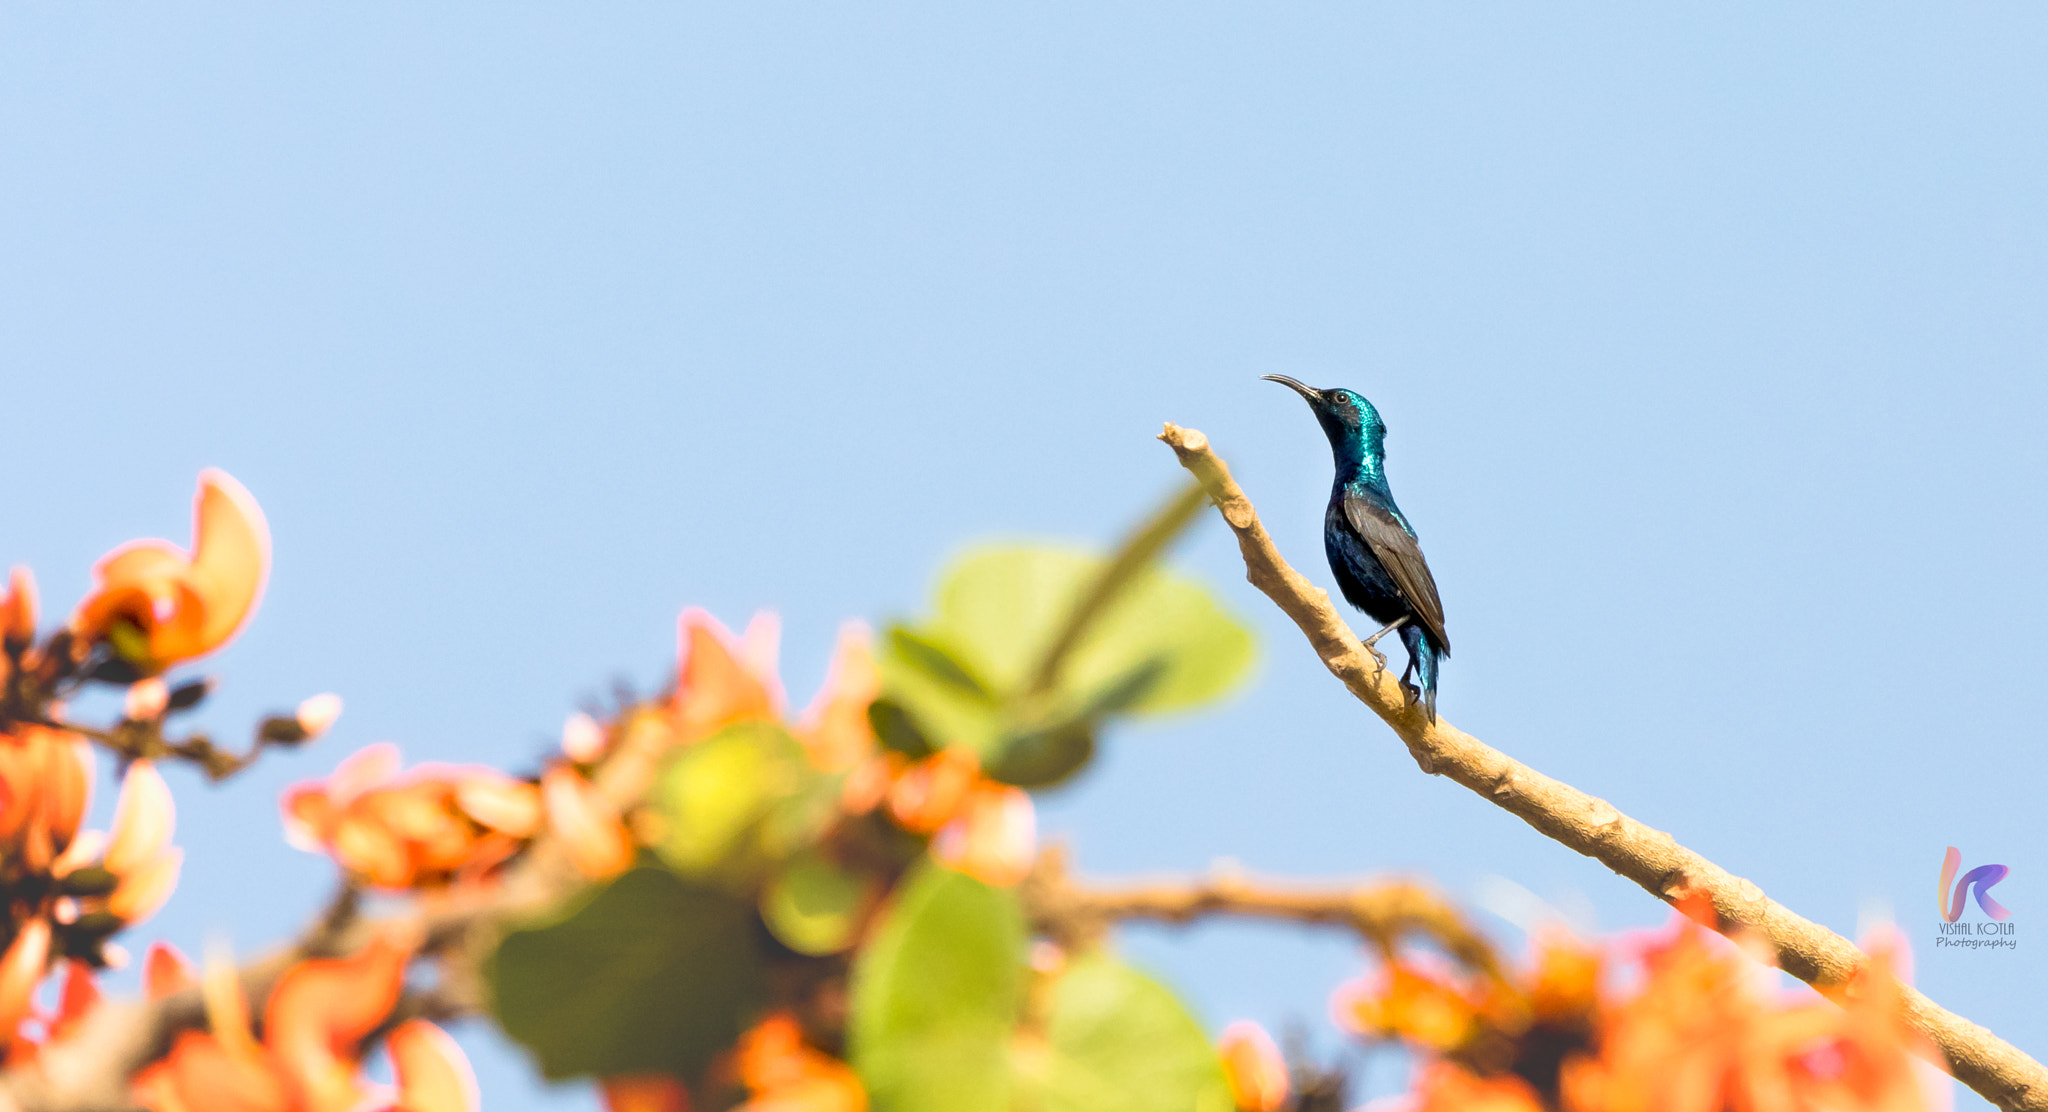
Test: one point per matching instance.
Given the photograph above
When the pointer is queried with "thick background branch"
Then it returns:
(1590, 825)
(1381, 913)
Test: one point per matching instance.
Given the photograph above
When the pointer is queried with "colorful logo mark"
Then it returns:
(1981, 878)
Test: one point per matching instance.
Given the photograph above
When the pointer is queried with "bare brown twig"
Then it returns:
(131, 741)
(1652, 858)
(1381, 913)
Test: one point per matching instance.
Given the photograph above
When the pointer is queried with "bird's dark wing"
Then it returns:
(1402, 557)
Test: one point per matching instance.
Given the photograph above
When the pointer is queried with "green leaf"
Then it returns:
(896, 729)
(936, 661)
(813, 906)
(741, 795)
(1128, 691)
(999, 609)
(797, 819)
(936, 995)
(1119, 1041)
(649, 974)
(934, 704)
(1041, 758)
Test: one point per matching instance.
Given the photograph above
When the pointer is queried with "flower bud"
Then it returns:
(18, 608)
(21, 969)
(190, 694)
(994, 839)
(165, 971)
(1254, 1068)
(144, 817)
(227, 1007)
(433, 1074)
(144, 891)
(582, 738)
(318, 713)
(147, 700)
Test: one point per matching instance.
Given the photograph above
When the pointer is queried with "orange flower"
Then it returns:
(140, 850)
(722, 683)
(586, 825)
(144, 817)
(760, 648)
(1567, 984)
(868, 782)
(75, 1001)
(649, 1092)
(1699, 1037)
(436, 825)
(21, 970)
(981, 827)
(930, 793)
(995, 836)
(784, 1075)
(1445, 1087)
(1254, 1068)
(1405, 1003)
(18, 608)
(317, 1017)
(17, 621)
(835, 729)
(166, 972)
(45, 780)
(717, 687)
(157, 606)
(433, 1074)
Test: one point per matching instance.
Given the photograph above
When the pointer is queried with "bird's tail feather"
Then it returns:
(1422, 656)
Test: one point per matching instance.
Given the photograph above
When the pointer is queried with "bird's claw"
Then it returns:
(1379, 657)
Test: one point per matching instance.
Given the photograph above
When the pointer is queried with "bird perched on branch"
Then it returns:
(1372, 548)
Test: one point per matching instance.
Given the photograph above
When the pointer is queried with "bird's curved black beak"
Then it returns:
(1314, 396)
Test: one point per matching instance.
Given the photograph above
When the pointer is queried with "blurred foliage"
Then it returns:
(937, 993)
(976, 674)
(1117, 1039)
(648, 973)
(813, 904)
(741, 802)
(942, 1018)
(807, 877)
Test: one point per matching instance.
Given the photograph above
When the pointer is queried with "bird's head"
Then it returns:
(1346, 417)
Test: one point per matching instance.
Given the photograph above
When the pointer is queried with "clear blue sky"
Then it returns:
(1711, 341)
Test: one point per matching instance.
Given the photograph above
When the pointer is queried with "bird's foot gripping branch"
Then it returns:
(704, 900)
